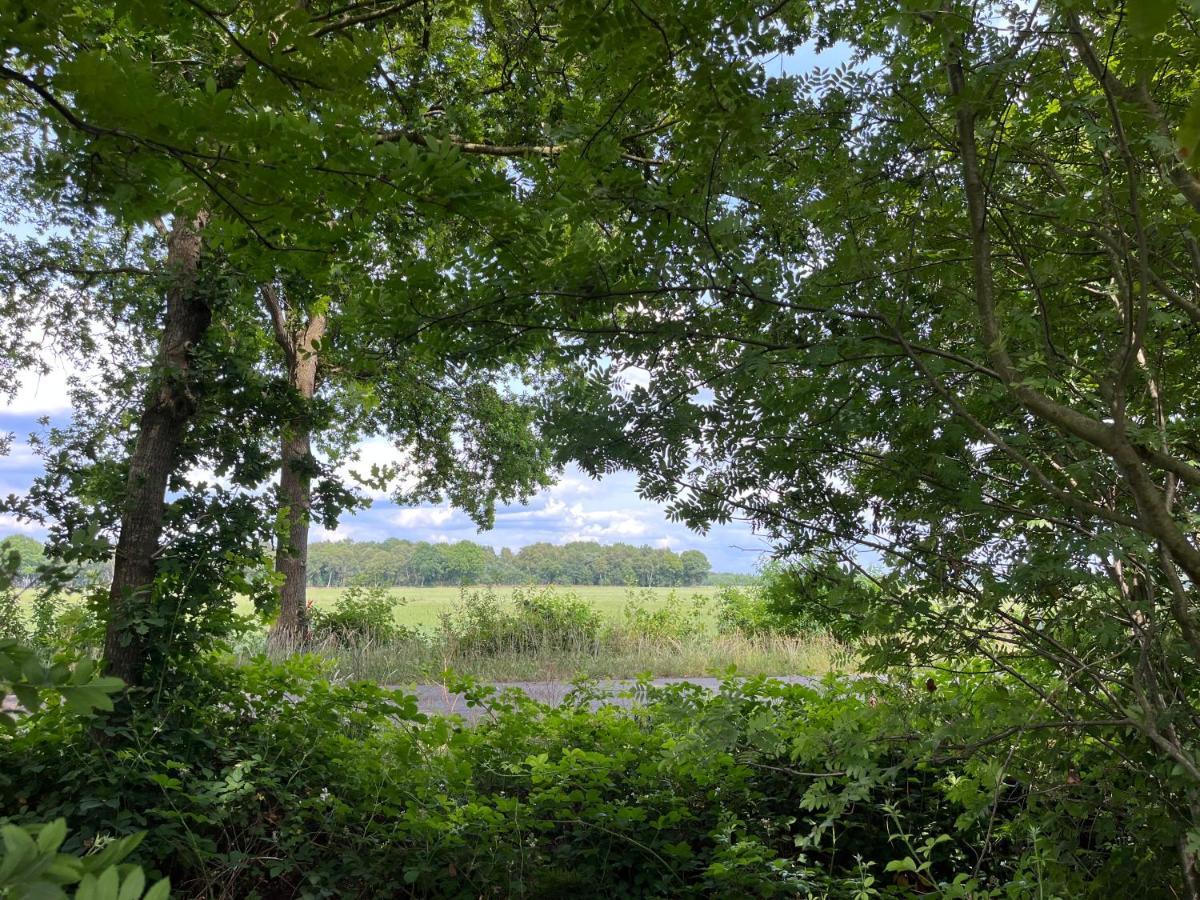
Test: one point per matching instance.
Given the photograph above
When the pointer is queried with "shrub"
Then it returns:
(675, 619)
(790, 600)
(267, 781)
(558, 615)
(30, 862)
(12, 621)
(360, 613)
(55, 620)
(744, 610)
(534, 619)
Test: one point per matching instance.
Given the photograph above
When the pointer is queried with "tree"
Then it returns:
(949, 326)
(31, 556)
(140, 138)
(280, 136)
(694, 566)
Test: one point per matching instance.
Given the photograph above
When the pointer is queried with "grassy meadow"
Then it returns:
(420, 607)
(584, 631)
(479, 632)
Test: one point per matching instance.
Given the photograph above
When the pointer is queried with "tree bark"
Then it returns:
(169, 405)
(301, 352)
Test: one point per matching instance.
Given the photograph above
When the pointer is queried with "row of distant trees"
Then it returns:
(402, 563)
(32, 557)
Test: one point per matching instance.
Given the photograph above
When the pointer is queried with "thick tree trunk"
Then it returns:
(168, 407)
(301, 351)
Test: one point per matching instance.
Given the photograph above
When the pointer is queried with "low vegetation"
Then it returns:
(550, 634)
(268, 780)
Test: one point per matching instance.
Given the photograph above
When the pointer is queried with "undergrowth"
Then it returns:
(267, 781)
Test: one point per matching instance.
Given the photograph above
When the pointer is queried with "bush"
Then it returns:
(30, 862)
(791, 599)
(744, 610)
(55, 620)
(12, 620)
(268, 781)
(360, 614)
(534, 619)
(675, 620)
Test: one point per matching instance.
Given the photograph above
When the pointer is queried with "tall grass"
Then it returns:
(420, 659)
(551, 635)
(510, 634)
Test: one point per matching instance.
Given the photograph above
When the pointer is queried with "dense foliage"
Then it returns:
(269, 782)
(946, 342)
(928, 320)
(398, 563)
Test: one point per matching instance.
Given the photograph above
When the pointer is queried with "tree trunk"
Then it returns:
(295, 470)
(168, 407)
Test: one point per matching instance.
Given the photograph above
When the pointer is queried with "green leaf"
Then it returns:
(82, 699)
(29, 696)
(1187, 135)
(1149, 17)
(133, 885)
(87, 888)
(50, 837)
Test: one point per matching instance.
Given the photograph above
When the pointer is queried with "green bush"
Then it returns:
(268, 781)
(12, 619)
(53, 620)
(534, 619)
(744, 610)
(675, 619)
(31, 864)
(791, 599)
(360, 614)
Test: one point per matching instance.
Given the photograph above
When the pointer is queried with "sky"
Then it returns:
(576, 508)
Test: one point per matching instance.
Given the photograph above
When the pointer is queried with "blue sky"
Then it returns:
(576, 508)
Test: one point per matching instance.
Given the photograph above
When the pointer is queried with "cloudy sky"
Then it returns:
(577, 508)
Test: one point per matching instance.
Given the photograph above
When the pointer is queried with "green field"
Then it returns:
(624, 651)
(422, 605)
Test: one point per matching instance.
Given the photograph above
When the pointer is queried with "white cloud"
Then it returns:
(382, 453)
(12, 523)
(613, 524)
(633, 376)
(197, 474)
(22, 456)
(552, 509)
(40, 395)
(331, 535)
(43, 394)
(570, 485)
(422, 516)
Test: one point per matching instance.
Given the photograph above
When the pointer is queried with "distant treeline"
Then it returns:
(32, 555)
(397, 563)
